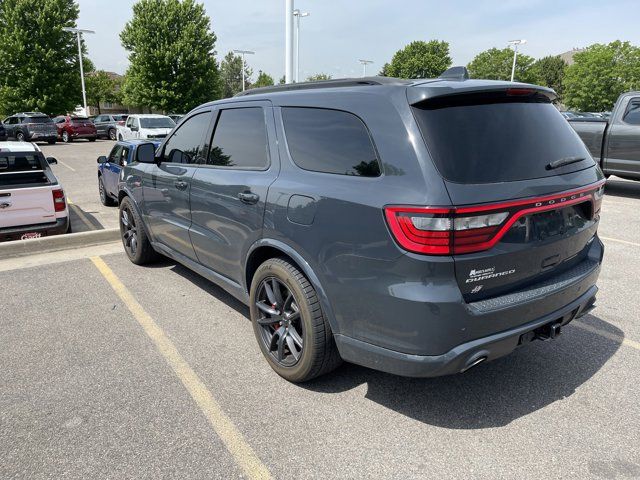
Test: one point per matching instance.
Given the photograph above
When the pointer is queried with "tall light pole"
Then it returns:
(288, 44)
(515, 44)
(79, 32)
(298, 14)
(243, 52)
(364, 66)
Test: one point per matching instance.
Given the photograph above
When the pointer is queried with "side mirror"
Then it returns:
(102, 159)
(52, 161)
(146, 153)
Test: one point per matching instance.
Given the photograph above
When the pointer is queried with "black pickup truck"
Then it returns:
(615, 143)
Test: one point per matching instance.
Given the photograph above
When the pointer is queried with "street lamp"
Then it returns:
(298, 14)
(79, 32)
(243, 52)
(288, 44)
(364, 66)
(515, 44)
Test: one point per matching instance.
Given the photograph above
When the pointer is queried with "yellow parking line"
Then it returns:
(222, 425)
(609, 335)
(626, 242)
(81, 215)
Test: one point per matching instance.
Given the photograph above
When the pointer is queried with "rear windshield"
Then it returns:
(157, 123)
(37, 120)
(19, 162)
(492, 138)
(80, 120)
(120, 118)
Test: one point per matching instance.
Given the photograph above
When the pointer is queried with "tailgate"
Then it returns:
(26, 206)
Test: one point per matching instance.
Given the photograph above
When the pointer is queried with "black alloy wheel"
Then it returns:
(129, 231)
(279, 318)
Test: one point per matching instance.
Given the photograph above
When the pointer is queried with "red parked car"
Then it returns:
(72, 128)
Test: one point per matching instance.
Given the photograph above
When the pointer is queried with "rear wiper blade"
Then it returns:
(561, 162)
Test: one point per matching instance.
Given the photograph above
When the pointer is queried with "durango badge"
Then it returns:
(486, 274)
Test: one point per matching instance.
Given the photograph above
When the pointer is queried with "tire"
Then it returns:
(120, 137)
(112, 134)
(92, 139)
(303, 329)
(136, 245)
(65, 137)
(105, 199)
(69, 227)
(20, 136)
(51, 142)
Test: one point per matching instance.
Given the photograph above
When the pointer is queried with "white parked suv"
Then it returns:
(145, 126)
(32, 201)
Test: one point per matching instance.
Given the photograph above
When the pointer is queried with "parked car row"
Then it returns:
(36, 126)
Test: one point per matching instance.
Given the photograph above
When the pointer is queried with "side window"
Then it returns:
(14, 121)
(129, 122)
(99, 118)
(123, 157)
(329, 141)
(632, 116)
(114, 156)
(185, 143)
(240, 139)
(135, 123)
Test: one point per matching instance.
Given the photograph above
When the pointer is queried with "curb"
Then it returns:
(22, 248)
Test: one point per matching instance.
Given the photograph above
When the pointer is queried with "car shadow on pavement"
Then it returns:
(82, 221)
(623, 188)
(493, 394)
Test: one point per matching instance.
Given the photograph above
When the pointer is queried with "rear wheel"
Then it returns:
(134, 238)
(66, 138)
(112, 134)
(20, 136)
(104, 196)
(289, 324)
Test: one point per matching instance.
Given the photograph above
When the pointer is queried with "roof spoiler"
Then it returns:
(455, 73)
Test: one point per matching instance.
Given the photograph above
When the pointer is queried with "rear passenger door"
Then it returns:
(623, 148)
(229, 190)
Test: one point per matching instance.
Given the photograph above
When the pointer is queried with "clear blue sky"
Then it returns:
(338, 33)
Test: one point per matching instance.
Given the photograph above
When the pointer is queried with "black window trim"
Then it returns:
(209, 144)
(161, 150)
(632, 101)
(366, 127)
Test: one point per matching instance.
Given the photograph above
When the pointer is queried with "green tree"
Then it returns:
(38, 61)
(549, 72)
(600, 74)
(171, 53)
(419, 60)
(101, 87)
(231, 75)
(282, 80)
(263, 80)
(496, 64)
(318, 76)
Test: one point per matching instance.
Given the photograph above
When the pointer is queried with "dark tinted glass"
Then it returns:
(185, 143)
(37, 120)
(19, 162)
(240, 139)
(157, 122)
(496, 138)
(633, 113)
(80, 120)
(329, 141)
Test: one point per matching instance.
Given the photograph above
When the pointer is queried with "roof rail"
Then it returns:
(337, 83)
(455, 73)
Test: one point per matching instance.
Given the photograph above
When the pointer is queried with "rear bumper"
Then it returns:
(84, 135)
(42, 137)
(463, 356)
(58, 227)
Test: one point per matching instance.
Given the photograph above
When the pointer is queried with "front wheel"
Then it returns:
(65, 137)
(105, 199)
(288, 322)
(112, 134)
(20, 137)
(134, 238)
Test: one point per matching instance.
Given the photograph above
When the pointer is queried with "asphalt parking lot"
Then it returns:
(110, 370)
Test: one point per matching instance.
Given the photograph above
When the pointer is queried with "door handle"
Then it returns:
(180, 185)
(248, 197)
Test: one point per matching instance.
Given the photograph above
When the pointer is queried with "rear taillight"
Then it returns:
(447, 231)
(59, 203)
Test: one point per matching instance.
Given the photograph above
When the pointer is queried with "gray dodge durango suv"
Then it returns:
(415, 227)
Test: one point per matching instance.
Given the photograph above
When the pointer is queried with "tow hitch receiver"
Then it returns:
(548, 332)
